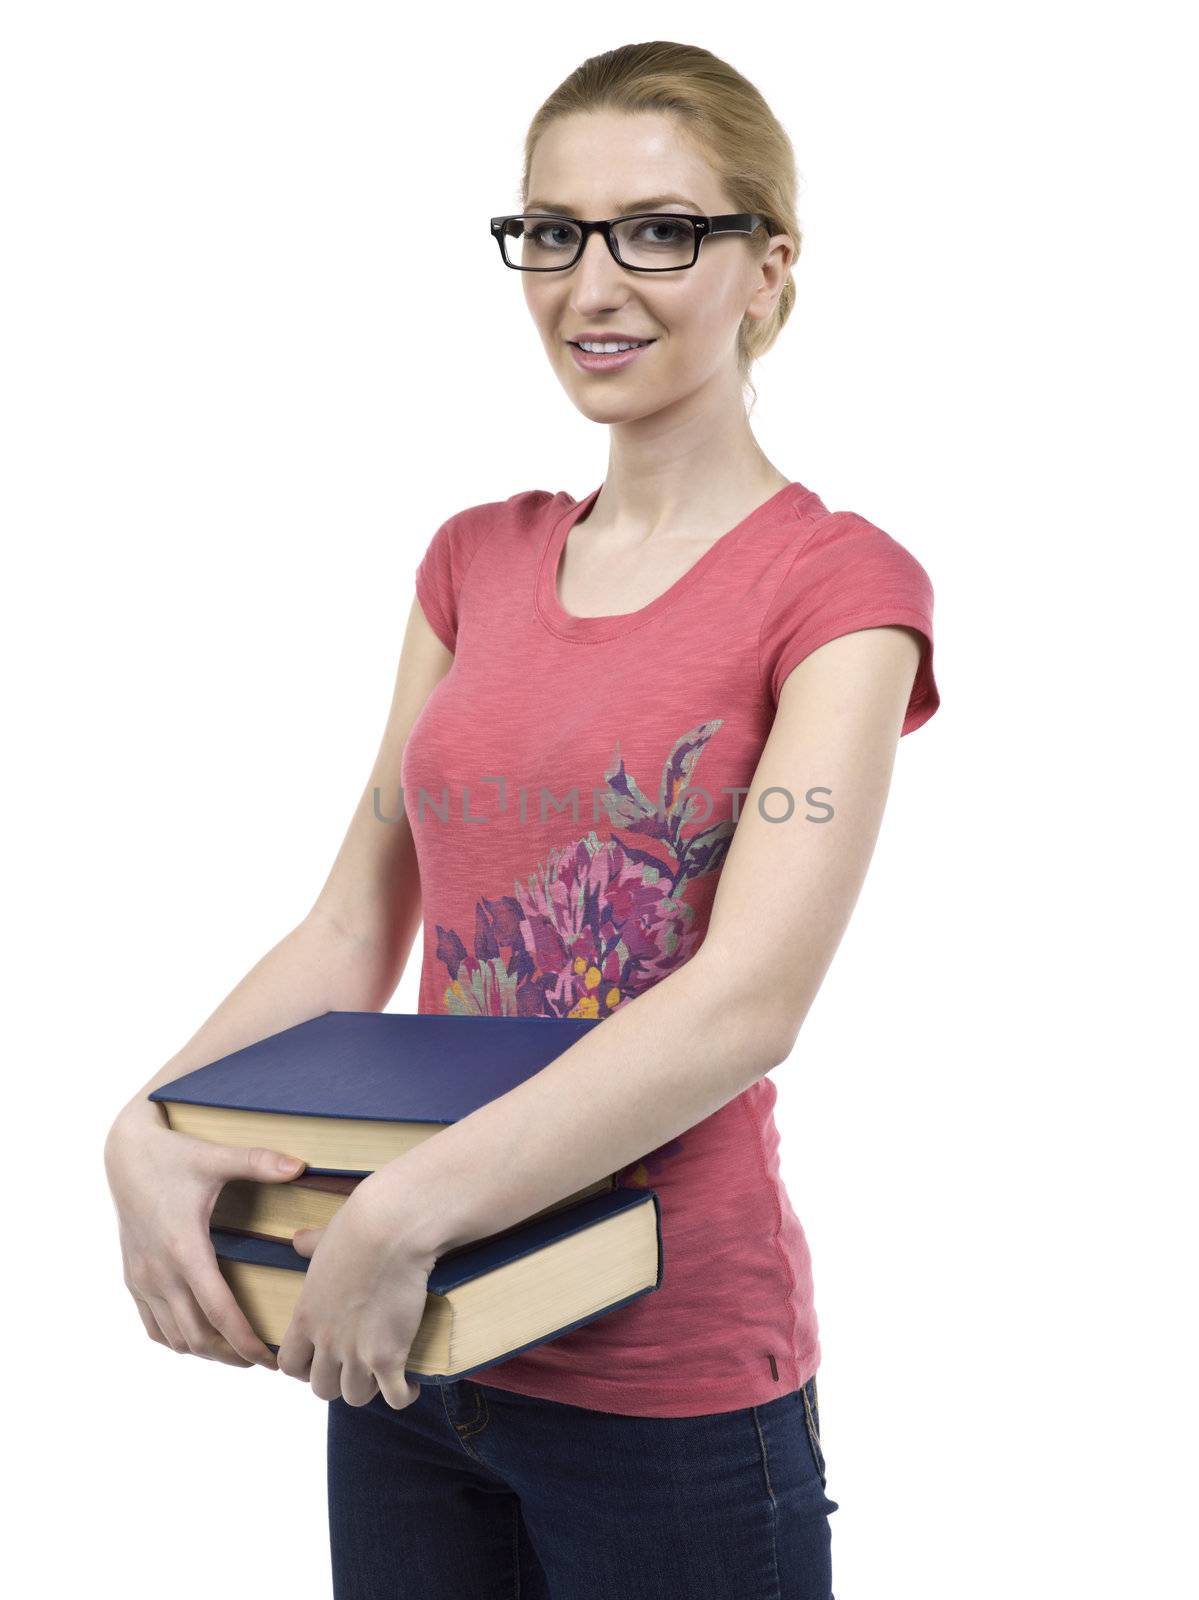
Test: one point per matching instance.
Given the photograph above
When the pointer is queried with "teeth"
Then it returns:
(611, 349)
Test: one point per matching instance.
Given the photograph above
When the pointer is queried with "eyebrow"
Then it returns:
(627, 208)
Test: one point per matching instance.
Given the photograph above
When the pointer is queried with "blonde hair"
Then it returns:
(725, 117)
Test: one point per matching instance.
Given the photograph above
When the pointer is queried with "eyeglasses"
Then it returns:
(649, 241)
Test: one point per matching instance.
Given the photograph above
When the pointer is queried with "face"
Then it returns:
(607, 164)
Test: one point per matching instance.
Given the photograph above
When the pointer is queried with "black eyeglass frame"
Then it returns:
(739, 222)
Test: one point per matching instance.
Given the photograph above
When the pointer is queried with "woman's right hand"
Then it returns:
(165, 1184)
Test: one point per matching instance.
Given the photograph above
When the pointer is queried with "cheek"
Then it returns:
(701, 342)
(707, 319)
(538, 302)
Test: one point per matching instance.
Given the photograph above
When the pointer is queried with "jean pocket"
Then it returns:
(811, 1410)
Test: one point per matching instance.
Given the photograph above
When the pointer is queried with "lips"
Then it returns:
(594, 361)
(607, 338)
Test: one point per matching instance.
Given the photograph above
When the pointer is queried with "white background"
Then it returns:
(238, 398)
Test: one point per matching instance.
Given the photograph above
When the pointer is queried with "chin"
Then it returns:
(613, 407)
(617, 413)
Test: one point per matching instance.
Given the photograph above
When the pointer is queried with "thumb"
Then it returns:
(305, 1240)
(256, 1163)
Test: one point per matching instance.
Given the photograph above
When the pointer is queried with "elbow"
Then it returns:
(759, 1028)
(784, 1041)
(754, 1028)
(779, 1032)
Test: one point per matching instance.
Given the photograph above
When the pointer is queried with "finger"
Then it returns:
(150, 1321)
(396, 1389)
(326, 1375)
(255, 1162)
(203, 1339)
(358, 1386)
(165, 1319)
(296, 1353)
(218, 1303)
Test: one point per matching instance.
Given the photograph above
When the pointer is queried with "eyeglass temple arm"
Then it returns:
(739, 222)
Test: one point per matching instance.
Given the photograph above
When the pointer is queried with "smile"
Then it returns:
(607, 357)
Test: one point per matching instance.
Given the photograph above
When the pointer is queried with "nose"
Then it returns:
(598, 282)
(598, 258)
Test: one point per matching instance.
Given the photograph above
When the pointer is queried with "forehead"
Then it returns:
(598, 164)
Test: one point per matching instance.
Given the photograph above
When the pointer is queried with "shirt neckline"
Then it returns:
(565, 626)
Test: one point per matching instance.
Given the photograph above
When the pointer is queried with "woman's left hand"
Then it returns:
(361, 1304)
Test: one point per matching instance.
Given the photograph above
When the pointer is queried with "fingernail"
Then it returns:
(287, 1163)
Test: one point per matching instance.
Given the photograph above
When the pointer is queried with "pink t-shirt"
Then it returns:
(553, 885)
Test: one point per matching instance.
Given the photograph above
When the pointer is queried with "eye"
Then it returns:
(552, 236)
(663, 232)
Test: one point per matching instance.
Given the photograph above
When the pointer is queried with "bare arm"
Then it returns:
(347, 954)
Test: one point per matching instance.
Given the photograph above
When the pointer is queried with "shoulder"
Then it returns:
(842, 573)
(846, 550)
(469, 527)
(451, 554)
(463, 533)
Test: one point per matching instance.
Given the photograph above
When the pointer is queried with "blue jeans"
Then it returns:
(473, 1493)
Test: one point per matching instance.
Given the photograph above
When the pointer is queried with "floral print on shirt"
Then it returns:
(601, 920)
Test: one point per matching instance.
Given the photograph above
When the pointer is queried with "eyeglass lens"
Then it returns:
(549, 243)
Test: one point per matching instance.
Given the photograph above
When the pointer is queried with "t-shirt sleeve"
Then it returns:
(846, 576)
(443, 568)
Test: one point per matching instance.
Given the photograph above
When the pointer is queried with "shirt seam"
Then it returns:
(580, 1383)
(467, 569)
(587, 1381)
(571, 638)
(608, 638)
(777, 590)
(876, 615)
(430, 604)
(772, 1184)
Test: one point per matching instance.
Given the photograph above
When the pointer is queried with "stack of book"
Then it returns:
(349, 1091)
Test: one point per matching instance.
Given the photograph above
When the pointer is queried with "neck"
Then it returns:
(693, 468)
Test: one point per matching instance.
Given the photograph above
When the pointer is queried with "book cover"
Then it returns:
(349, 1091)
(386, 1066)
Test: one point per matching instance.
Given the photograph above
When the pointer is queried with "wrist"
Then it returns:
(390, 1207)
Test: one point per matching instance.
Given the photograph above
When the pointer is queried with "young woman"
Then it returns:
(645, 741)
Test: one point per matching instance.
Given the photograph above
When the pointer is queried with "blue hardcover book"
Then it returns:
(492, 1299)
(349, 1091)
